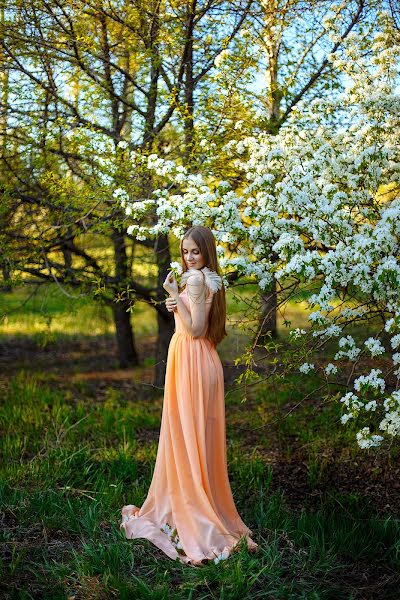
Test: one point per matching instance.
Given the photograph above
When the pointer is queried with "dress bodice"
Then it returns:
(180, 325)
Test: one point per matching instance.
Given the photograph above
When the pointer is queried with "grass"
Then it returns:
(74, 451)
(68, 467)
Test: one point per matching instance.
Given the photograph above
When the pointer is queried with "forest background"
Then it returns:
(96, 98)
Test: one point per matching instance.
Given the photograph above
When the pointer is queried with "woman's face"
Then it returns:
(192, 255)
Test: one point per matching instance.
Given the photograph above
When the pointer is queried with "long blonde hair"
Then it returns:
(205, 240)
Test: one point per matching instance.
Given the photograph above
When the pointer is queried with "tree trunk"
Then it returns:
(267, 325)
(127, 353)
(272, 41)
(4, 81)
(6, 277)
(189, 86)
(165, 320)
(165, 331)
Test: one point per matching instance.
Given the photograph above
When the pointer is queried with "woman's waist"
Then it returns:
(181, 328)
(185, 334)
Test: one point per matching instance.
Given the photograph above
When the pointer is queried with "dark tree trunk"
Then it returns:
(189, 86)
(127, 353)
(268, 315)
(165, 331)
(68, 260)
(6, 277)
(268, 304)
(165, 320)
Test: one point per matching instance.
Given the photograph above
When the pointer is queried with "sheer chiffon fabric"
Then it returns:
(189, 512)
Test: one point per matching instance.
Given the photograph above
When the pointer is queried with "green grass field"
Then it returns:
(77, 443)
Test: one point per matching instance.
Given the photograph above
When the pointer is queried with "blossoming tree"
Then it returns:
(320, 210)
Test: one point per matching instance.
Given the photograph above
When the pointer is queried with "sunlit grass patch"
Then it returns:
(48, 312)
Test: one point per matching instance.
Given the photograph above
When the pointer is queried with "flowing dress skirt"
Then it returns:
(189, 512)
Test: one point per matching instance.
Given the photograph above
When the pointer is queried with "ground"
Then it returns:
(79, 438)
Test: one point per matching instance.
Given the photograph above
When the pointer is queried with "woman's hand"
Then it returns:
(170, 284)
(171, 303)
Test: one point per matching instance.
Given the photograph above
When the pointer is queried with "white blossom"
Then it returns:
(297, 333)
(395, 341)
(366, 440)
(330, 369)
(374, 346)
(306, 368)
(221, 556)
(372, 380)
(176, 266)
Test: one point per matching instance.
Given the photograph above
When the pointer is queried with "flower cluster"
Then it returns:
(374, 346)
(221, 556)
(173, 537)
(306, 368)
(348, 348)
(176, 269)
(372, 380)
(391, 422)
(367, 440)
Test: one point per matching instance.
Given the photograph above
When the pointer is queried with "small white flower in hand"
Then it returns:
(176, 269)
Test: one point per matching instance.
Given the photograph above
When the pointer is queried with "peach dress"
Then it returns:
(189, 512)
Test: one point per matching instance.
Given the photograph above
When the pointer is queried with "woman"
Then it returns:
(189, 512)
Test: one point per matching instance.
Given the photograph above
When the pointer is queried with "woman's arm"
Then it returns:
(195, 319)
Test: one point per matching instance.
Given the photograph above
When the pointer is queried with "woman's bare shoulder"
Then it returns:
(195, 279)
